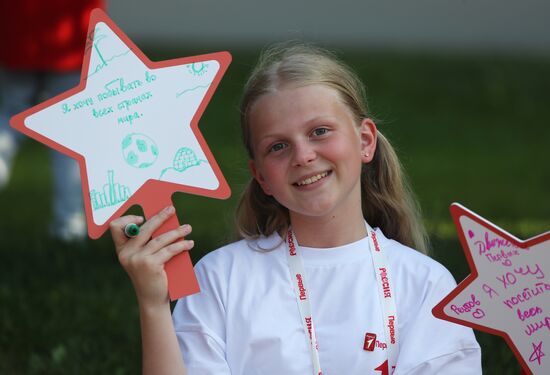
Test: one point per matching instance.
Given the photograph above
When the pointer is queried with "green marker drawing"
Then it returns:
(198, 68)
(104, 61)
(139, 150)
(99, 67)
(192, 89)
(100, 55)
(111, 194)
(185, 158)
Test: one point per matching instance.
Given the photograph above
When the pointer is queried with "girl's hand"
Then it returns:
(143, 258)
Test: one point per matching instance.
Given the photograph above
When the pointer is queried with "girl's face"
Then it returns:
(308, 151)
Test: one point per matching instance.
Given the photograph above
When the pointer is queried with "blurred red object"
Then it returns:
(44, 35)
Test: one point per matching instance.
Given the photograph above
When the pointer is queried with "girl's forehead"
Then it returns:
(291, 100)
(290, 107)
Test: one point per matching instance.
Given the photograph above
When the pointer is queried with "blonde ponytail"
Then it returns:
(388, 201)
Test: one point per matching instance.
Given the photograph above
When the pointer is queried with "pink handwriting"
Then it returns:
(478, 314)
(490, 291)
(466, 307)
(522, 315)
(509, 278)
(537, 353)
(488, 244)
(534, 327)
(537, 272)
(502, 256)
(526, 294)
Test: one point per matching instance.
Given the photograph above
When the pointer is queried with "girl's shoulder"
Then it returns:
(243, 252)
(416, 265)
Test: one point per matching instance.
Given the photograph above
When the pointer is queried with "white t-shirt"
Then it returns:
(246, 318)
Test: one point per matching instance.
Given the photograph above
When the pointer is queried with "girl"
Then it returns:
(311, 287)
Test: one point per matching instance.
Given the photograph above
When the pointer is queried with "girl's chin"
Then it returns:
(313, 212)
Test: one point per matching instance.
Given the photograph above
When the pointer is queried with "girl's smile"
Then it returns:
(312, 179)
(309, 149)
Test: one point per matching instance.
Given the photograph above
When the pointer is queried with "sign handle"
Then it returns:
(179, 270)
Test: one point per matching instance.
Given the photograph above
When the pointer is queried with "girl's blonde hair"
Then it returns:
(387, 200)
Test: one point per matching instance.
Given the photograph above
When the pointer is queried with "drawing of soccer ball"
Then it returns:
(139, 150)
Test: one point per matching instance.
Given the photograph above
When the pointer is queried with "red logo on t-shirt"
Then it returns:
(370, 340)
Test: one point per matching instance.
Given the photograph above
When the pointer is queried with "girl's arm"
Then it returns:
(161, 354)
(143, 259)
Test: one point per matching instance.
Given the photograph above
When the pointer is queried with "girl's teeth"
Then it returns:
(312, 179)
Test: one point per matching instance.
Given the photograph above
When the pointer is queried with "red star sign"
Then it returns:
(507, 293)
(132, 124)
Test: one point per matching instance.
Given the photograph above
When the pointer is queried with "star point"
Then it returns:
(507, 293)
(130, 122)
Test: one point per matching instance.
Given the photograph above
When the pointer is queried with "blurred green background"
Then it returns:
(468, 129)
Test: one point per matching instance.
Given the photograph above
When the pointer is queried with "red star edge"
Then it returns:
(507, 293)
(153, 194)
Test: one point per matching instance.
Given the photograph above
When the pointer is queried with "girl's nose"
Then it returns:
(303, 154)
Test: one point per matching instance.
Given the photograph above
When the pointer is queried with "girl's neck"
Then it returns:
(325, 232)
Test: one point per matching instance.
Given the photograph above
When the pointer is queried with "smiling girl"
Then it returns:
(311, 288)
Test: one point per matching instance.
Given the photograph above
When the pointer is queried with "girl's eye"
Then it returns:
(277, 147)
(320, 131)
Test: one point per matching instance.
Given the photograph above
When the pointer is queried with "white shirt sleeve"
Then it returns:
(199, 321)
(462, 362)
(433, 346)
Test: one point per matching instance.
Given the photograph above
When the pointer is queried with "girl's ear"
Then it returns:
(368, 134)
(258, 177)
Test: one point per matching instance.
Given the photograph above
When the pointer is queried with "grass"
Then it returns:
(468, 129)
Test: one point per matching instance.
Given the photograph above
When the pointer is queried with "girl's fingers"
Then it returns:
(166, 253)
(117, 228)
(167, 238)
(147, 230)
